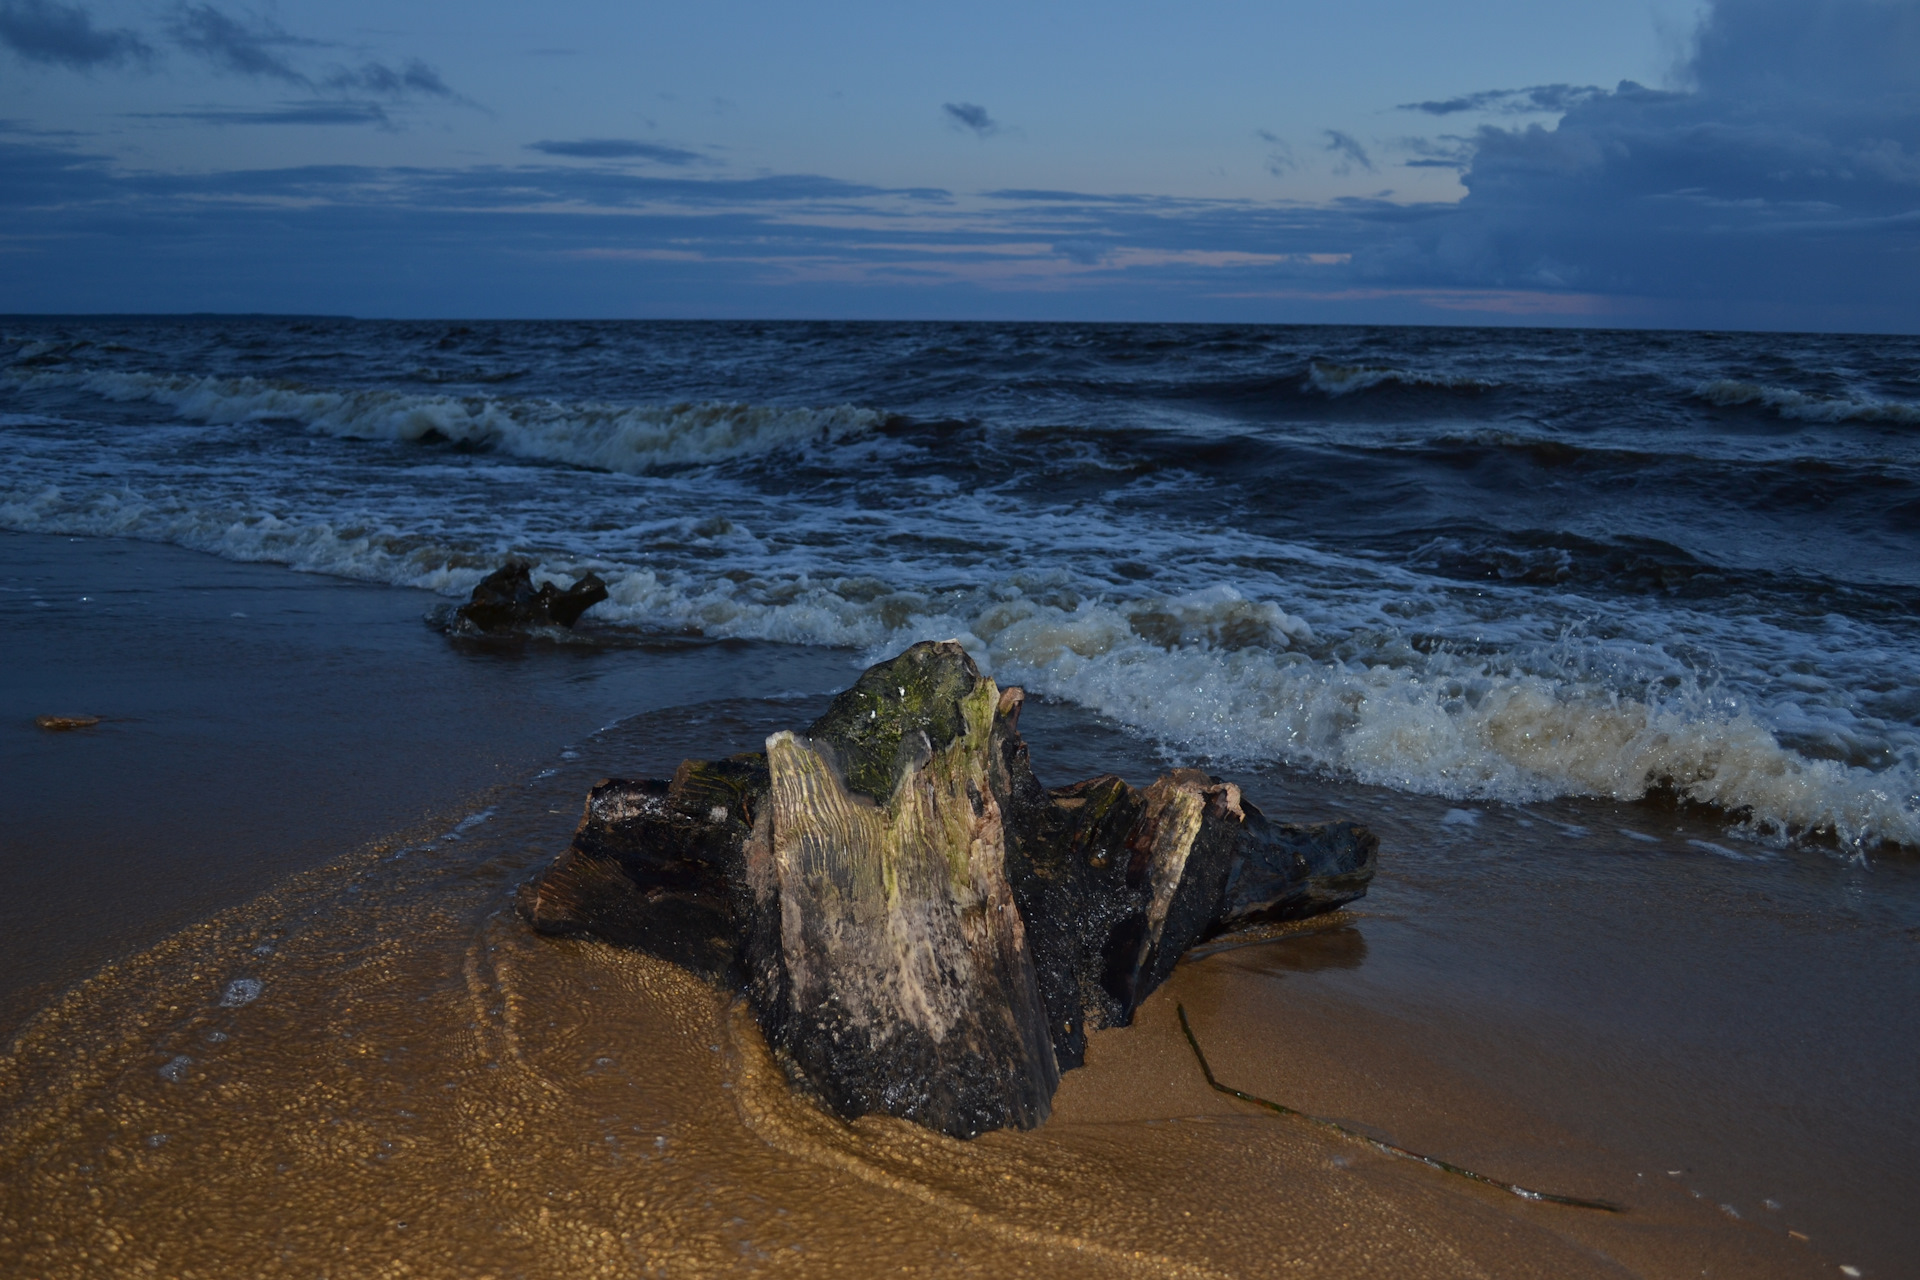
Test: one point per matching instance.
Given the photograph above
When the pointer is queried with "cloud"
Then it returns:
(255, 47)
(618, 149)
(1810, 52)
(1085, 252)
(34, 176)
(1349, 152)
(1543, 98)
(1447, 151)
(413, 78)
(1280, 160)
(64, 35)
(231, 45)
(967, 115)
(1784, 183)
(312, 113)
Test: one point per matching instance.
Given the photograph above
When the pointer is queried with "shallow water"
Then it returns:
(255, 723)
(1479, 564)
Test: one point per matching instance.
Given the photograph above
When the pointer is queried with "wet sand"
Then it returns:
(259, 722)
(1572, 997)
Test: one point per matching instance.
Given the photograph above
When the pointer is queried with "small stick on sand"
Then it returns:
(62, 724)
(1525, 1193)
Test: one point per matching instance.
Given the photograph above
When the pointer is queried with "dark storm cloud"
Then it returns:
(244, 48)
(618, 149)
(1348, 151)
(64, 35)
(1787, 177)
(967, 115)
(1538, 98)
(1811, 52)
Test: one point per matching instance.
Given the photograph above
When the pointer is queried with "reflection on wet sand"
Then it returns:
(416, 1085)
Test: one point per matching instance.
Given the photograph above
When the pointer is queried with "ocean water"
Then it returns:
(1489, 566)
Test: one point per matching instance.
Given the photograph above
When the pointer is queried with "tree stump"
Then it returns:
(921, 928)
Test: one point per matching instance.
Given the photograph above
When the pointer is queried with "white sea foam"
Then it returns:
(1211, 672)
(1801, 407)
(607, 437)
(1499, 736)
(1345, 379)
(1208, 655)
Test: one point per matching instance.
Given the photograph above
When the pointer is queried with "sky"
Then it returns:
(1748, 164)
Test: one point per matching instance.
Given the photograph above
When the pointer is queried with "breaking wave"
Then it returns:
(1337, 380)
(1210, 672)
(1797, 405)
(606, 437)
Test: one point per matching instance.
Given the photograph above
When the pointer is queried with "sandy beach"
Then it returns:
(328, 804)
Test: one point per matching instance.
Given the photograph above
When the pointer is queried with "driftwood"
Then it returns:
(507, 600)
(921, 928)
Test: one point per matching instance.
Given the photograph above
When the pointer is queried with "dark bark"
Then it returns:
(659, 866)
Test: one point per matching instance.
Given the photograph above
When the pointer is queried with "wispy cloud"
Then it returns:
(1280, 160)
(968, 115)
(64, 35)
(413, 77)
(1348, 152)
(1447, 151)
(311, 113)
(244, 48)
(618, 149)
(260, 49)
(1085, 252)
(1540, 98)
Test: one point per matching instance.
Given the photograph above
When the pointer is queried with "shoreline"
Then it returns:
(1576, 1012)
(258, 721)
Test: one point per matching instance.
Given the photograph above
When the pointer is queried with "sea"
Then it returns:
(1493, 566)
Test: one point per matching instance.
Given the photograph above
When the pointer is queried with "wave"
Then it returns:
(1797, 405)
(1212, 672)
(1337, 380)
(606, 437)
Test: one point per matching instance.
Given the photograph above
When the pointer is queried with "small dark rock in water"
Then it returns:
(507, 600)
(921, 928)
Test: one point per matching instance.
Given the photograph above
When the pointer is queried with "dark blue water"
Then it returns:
(1479, 564)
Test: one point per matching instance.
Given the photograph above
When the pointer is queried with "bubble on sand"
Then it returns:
(241, 991)
(176, 1070)
(1460, 818)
